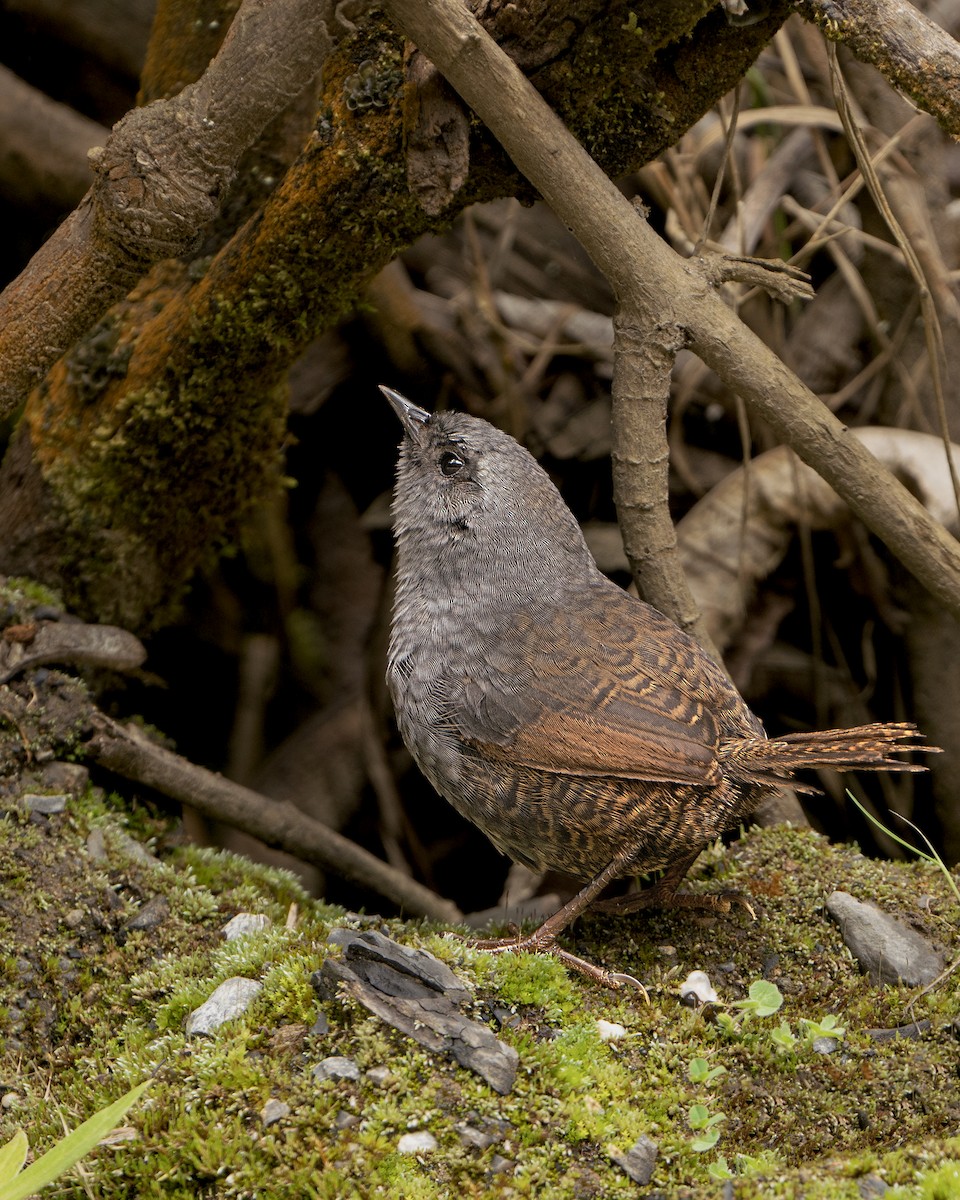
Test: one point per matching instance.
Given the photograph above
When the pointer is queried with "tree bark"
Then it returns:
(147, 442)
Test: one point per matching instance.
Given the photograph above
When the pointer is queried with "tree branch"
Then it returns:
(159, 179)
(913, 53)
(650, 279)
(278, 823)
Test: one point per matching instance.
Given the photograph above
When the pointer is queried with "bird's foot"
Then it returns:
(539, 943)
(654, 897)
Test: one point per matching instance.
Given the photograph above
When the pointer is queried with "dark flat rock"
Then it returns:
(419, 995)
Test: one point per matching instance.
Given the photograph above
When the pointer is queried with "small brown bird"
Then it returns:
(578, 727)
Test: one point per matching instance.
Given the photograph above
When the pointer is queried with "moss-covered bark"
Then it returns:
(144, 447)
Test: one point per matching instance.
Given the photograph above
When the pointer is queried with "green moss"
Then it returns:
(871, 1108)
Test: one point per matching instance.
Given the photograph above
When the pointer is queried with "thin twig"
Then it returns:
(278, 823)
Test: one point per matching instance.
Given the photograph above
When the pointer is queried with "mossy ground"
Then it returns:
(88, 1007)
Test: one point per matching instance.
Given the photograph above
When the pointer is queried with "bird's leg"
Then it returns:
(664, 894)
(544, 938)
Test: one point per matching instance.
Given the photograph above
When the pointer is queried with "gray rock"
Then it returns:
(45, 804)
(153, 913)
(501, 1166)
(887, 949)
(125, 844)
(639, 1160)
(336, 1067)
(475, 1139)
(824, 1045)
(273, 1111)
(320, 1027)
(230, 999)
(67, 777)
(96, 846)
(420, 1142)
(872, 1186)
(914, 1029)
(381, 1076)
(244, 923)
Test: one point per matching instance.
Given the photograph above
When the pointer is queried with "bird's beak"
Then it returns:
(413, 419)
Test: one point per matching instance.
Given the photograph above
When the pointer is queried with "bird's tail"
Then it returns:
(772, 761)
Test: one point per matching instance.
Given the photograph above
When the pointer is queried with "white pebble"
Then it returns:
(610, 1031)
(421, 1142)
(698, 984)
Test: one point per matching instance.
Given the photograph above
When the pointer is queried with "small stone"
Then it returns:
(345, 1120)
(381, 1076)
(153, 913)
(244, 923)
(421, 1142)
(610, 1031)
(273, 1111)
(824, 1045)
(74, 918)
(336, 1067)
(230, 999)
(639, 1160)
(9, 1100)
(320, 1027)
(697, 989)
(131, 847)
(501, 1166)
(914, 1029)
(71, 778)
(96, 847)
(872, 1186)
(887, 949)
(287, 1039)
(473, 1138)
(45, 804)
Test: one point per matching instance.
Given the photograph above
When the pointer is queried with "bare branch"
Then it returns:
(278, 823)
(652, 280)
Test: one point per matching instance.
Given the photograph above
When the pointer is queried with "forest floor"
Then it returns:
(111, 929)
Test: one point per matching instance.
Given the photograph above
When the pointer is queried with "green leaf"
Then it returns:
(764, 998)
(720, 1169)
(783, 1036)
(12, 1157)
(698, 1117)
(706, 1141)
(826, 1027)
(700, 1071)
(61, 1157)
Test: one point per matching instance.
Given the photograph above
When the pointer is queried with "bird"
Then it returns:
(577, 726)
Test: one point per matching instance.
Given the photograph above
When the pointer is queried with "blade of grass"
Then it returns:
(68, 1150)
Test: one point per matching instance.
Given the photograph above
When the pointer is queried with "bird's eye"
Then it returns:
(450, 462)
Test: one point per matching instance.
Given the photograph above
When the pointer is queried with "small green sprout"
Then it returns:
(17, 1183)
(826, 1027)
(763, 999)
(699, 1118)
(700, 1071)
(783, 1037)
